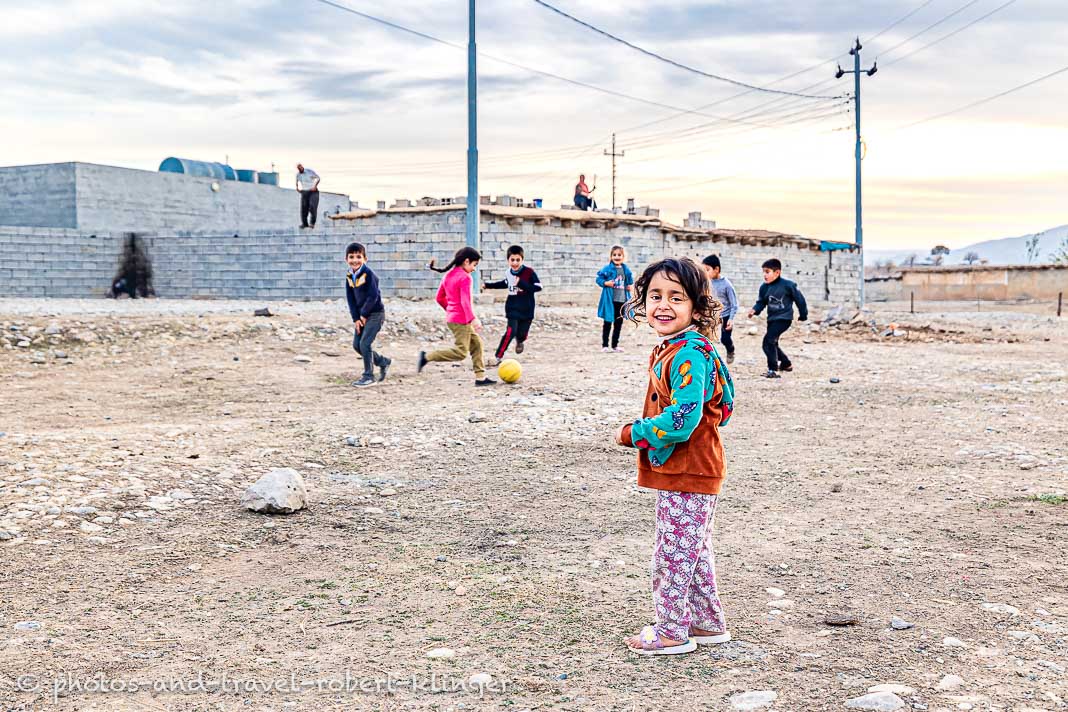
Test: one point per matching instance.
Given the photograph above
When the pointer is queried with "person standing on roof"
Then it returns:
(583, 195)
(308, 187)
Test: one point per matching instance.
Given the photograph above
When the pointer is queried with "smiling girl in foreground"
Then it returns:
(680, 454)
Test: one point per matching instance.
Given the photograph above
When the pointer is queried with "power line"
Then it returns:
(930, 27)
(672, 62)
(957, 31)
(892, 25)
(987, 100)
(550, 75)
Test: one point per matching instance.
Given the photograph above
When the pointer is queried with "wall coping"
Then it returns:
(586, 219)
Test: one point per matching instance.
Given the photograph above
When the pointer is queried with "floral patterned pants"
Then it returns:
(684, 567)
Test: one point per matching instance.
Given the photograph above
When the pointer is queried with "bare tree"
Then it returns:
(1032, 248)
(910, 261)
(937, 260)
(971, 258)
(1060, 255)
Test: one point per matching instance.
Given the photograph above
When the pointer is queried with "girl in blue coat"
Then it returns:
(615, 280)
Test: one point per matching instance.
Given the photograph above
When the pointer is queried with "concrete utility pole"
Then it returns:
(613, 154)
(858, 150)
(472, 224)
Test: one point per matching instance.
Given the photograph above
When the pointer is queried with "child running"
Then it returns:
(522, 283)
(690, 396)
(779, 296)
(367, 312)
(723, 291)
(454, 296)
(615, 280)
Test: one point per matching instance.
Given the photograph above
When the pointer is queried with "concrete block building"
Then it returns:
(97, 199)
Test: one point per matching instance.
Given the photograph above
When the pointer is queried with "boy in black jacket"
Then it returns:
(367, 311)
(779, 296)
(521, 283)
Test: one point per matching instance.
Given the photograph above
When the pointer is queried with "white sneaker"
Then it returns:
(606, 350)
(618, 350)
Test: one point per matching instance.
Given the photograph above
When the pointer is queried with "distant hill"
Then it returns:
(1004, 251)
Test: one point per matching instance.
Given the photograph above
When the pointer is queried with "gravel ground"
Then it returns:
(455, 532)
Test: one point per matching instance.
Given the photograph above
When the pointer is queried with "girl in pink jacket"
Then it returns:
(454, 296)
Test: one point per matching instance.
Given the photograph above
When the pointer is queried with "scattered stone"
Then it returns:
(280, 491)
(1003, 608)
(28, 626)
(477, 417)
(461, 590)
(441, 654)
(753, 700)
(376, 441)
(836, 487)
(841, 619)
(480, 679)
(781, 603)
(195, 567)
(352, 441)
(1022, 635)
(836, 380)
(440, 557)
(302, 359)
(900, 623)
(562, 676)
(6, 535)
(950, 682)
(893, 687)
(90, 528)
(59, 354)
(387, 492)
(35, 482)
(951, 642)
(775, 592)
(266, 311)
(1050, 665)
(53, 330)
(373, 510)
(180, 495)
(878, 701)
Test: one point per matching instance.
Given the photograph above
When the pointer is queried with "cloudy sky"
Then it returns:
(382, 114)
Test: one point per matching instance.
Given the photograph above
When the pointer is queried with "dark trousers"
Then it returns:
(726, 338)
(776, 358)
(613, 327)
(585, 202)
(309, 207)
(363, 340)
(518, 329)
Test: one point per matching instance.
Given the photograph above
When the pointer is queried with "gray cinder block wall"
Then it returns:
(294, 264)
(95, 198)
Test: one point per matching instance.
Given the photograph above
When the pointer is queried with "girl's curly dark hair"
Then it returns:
(706, 308)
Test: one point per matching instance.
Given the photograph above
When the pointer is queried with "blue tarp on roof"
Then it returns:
(827, 246)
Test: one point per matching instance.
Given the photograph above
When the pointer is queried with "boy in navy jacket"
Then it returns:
(779, 296)
(522, 283)
(367, 311)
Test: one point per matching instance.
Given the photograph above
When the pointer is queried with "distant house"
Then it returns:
(984, 281)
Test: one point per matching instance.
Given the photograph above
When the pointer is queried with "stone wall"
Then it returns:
(97, 199)
(294, 264)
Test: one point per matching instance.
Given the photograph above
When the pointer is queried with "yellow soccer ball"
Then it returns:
(509, 370)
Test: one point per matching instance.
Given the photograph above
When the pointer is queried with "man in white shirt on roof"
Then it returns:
(308, 187)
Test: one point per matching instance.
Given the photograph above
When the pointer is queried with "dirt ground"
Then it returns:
(503, 525)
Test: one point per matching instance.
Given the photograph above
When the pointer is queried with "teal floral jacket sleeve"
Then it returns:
(692, 374)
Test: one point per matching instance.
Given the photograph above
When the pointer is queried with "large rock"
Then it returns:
(280, 491)
(757, 699)
(876, 701)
